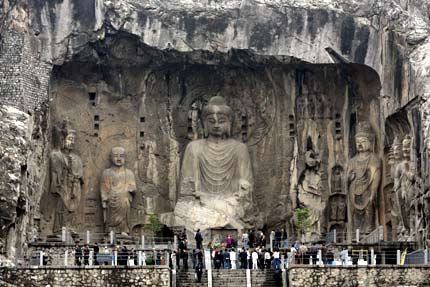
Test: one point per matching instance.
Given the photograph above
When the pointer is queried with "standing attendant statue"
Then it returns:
(364, 177)
(66, 179)
(117, 188)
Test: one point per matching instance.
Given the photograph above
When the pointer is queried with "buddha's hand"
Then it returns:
(351, 176)
(244, 186)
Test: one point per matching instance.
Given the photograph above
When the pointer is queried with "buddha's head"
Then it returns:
(364, 138)
(397, 148)
(69, 140)
(118, 156)
(217, 118)
(312, 159)
(406, 144)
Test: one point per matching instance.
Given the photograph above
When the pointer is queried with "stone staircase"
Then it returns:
(228, 278)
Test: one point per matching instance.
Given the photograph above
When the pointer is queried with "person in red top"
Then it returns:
(229, 241)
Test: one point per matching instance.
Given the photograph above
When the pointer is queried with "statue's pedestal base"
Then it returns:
(122, 239)
(215, 214)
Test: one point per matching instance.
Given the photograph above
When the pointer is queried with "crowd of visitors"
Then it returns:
(124, 256)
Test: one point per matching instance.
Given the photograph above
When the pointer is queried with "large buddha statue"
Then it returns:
(216, 175)
(117, 188)
(66, 179)
(364, 177)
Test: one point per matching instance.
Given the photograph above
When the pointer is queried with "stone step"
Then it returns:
(229, 278)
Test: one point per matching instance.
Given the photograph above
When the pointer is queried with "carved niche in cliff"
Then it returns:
(154, 112)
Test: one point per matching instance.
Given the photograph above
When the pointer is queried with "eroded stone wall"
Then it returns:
(381, 276)
(95, 276)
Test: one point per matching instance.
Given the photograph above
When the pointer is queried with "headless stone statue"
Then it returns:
(216, 175)
(66, 179)
(117, 188)
(364, 176)
(309, 192)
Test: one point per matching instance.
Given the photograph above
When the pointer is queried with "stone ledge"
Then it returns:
(86, 268)
(386, 266)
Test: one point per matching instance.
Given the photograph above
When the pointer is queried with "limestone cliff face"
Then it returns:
(379, 34)
(389, 36)
(21, 155)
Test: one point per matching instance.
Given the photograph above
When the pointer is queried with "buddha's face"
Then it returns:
(397, 152)
(406, 150)
(69, 141)
(118, 156)
(311, 159)
(218, 125)
(362, 144)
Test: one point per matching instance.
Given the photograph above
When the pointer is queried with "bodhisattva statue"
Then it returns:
(396, 206)
(364, 177)
(117, 188)
(404, 188)
(216, 175)
(66, 179)
(309, 192)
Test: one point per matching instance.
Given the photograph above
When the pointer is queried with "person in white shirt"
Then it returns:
(233, 258)
(276, 258)
(267, 258)
(248, 259)
(143, 259)
(254, 259)
(292, 258)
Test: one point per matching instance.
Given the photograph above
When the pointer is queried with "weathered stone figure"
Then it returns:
(66, 179)
(216, 175)
(117, 188)
(396, 206)
(364, 176)
(404, 179)
(309, 195)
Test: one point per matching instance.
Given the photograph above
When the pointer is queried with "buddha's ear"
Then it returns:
(205, 131)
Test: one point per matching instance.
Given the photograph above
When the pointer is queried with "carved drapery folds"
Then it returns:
(117, 188)
(364, 176)
(216, 175)
(66, 176)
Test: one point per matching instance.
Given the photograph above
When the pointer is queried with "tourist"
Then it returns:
(78, 255)
(245, 240)
(243, 259)
(130, 258)
(199, 239)
(276, 259)
(248, 259)
(260, 258)
(292, 257)
(96, 252)
(272, 239)
(251, 236)
(219, 259)
(267, 259)
(199, 271)
(193, 258)
(227, 264)
(143, 258)
(278, 238)
(229, 241)
(233, 259)
(185, 260)
(263, 240)
(344, 256)
(254, 256)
